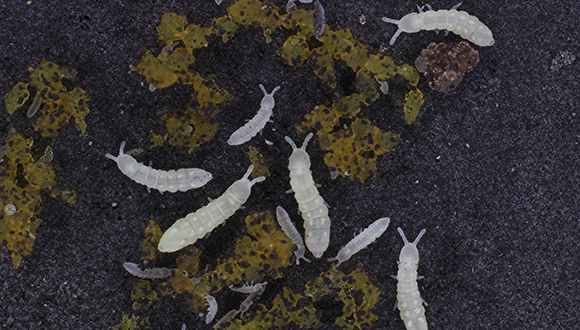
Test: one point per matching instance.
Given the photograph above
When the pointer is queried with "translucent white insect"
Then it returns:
(366, 237)
(458, 22)
(212, 309)
(134, 270)
(182, 179)
(247, 303)
(314, 211)
(290, 231)
(256, 124)
(10, 209)
(195, 225)
(408, 297)
(247, 288)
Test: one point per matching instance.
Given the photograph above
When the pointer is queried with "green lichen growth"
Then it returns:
(21, 182)
(189, 129)
(257, 160)
(261, 253)
(287, 307)
(355, 291)
(56, 104)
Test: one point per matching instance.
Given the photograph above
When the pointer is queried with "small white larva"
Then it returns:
(247, 288)
(290, 231)
(256, 124)
(366, 237)
(134, 270)
(195, 225)
(458, 22)
(408, 297)
(212, 309)
(182, 179)
(310, 203)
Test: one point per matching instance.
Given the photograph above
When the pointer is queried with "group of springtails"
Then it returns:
(314, 211)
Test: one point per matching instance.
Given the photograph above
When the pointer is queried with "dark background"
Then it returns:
(489, 169)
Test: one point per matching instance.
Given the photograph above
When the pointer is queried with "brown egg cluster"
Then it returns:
(444, 65)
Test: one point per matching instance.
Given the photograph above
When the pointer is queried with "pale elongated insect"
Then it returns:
(195, 225)
(288, 227)
(408, 297)
(172, 181)
(458, 22)
(256, 124)
(314, 211)
(366, 237)
(212, 309)
(247, 288)
(134, 270)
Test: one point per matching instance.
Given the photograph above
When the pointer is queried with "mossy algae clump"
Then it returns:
(55, 103)
(21, 181)
(323, 55)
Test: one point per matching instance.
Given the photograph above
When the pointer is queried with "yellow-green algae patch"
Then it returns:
(56, 105)
(257, 160)
(263, 252)
(149, 244)
(355, 291)
(132, 323)
(287, 307)
(21, 181)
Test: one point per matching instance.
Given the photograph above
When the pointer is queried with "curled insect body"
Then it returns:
(212, 309)
(134, 270)
(10, 209)
(256, 124)
(311, 205)
(290, 230)
(196, 225)
(247, 288)
(172, 181)
(247, 303)
(361, 240)
(458, 22)
(318, 19)
(408, 297)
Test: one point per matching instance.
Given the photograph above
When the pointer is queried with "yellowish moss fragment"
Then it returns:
(188, 260)
(21, 181)
(413, 101)
(142, 294)
(171, 27)
(157, 140)
(256, 14)
(294, 50)
(56, 104)
(152, 236)
(257, 160)
(132, 323)
(353, 151)
(287, 307)
(356, 292)
(189, 130)
(166, 70)
(262, 252)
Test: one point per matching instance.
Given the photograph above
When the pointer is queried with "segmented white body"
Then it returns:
(408, 297)
(134, 270)
(290, 231)
(247, 303)
(366, 237)
(247, 288)
(183, 179)
(195, 225)
(212, 309)
(256, 124)
(458, 22)
(310, 203)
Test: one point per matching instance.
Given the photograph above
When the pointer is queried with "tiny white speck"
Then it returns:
(10, 209)
(467, 145)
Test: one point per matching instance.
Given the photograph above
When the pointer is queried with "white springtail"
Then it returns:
(366, 237)
(290, 230)
(196, 225)
(256, 124)
(172, 181)
(408, 297)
